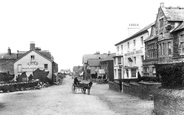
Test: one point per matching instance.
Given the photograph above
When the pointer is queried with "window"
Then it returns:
(135, 60)
(45, 66)
(121, 48)
(161, 22)
(153, 70)
(119, 60)
(19, 68)
(163, 49)
(118, 48)
(169, 48)
(134, 42)
(32, 57)
(127, 73)
(142, 58)
(128, 45)
(160, 49)
(142, 40)
(133, 71)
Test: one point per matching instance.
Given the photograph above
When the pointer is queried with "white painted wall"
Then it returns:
(132, 52)
(30, 67)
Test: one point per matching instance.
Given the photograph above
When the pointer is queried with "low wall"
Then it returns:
(142, 90)
(114, 86)
(169, 102)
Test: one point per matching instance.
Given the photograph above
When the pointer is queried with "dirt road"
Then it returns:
(59, 100)
(54, 100)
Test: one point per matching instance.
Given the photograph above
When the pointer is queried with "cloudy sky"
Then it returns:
(71, 28)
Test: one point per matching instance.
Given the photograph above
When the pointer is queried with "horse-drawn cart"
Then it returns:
(82, 86)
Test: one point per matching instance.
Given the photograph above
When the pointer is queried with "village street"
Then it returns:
(59, 100)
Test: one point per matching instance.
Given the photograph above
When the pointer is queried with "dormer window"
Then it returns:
(32, 57)
(161, 21)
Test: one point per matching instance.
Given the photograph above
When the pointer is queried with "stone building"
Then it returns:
(108, 66)
(91, 63)
(169, 29)
(151, 55)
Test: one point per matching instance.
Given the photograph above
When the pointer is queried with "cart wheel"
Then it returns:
(73, 89)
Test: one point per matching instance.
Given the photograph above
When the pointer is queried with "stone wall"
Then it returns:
(142, 90)
(169, 102)
(114, 86)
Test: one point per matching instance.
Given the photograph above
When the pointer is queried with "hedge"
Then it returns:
(172, 75)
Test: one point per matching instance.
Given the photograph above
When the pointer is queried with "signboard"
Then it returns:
(135, 52)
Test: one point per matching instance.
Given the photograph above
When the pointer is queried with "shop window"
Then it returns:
(46, 66)
(32, 57)
(133, 71)
(127, 73)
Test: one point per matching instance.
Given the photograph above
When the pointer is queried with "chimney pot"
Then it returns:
(32, 46)
(9, 51)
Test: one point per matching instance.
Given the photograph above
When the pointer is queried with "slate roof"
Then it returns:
(94, 62)
(8, 56)
(174, 13)
(110, 57)
(39, 52)
(145, 29)
(150, 38)
(181, 26)
(87, 57)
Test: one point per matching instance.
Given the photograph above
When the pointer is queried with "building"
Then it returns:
(92, 66)
(151, 54)
(33, 59)
(7, 61)
(169, 29)
(130, 55)
(107, 64)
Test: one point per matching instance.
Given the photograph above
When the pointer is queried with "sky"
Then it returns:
(71, 28)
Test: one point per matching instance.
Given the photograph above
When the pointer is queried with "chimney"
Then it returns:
(162, 4)
(32, 46)
(133, 28)
(109, 52)
(9, 51)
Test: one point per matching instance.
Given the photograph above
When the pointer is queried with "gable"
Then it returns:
(38, 58)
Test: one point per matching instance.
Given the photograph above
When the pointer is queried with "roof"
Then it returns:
(6, 65)
(110, 57)
(38, 52)
(145, 29)
(87, 57)
(150, 38)
(173, 13)
(8, 56)
(181, 26)
(94, 62)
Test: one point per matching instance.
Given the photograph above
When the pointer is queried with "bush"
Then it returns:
(172, 75)
(149, 79)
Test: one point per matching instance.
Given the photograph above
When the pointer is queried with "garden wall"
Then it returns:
(114, 86)
(142, 90)
(169, 102)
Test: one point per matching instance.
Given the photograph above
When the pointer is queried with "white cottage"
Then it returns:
(34, 59)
